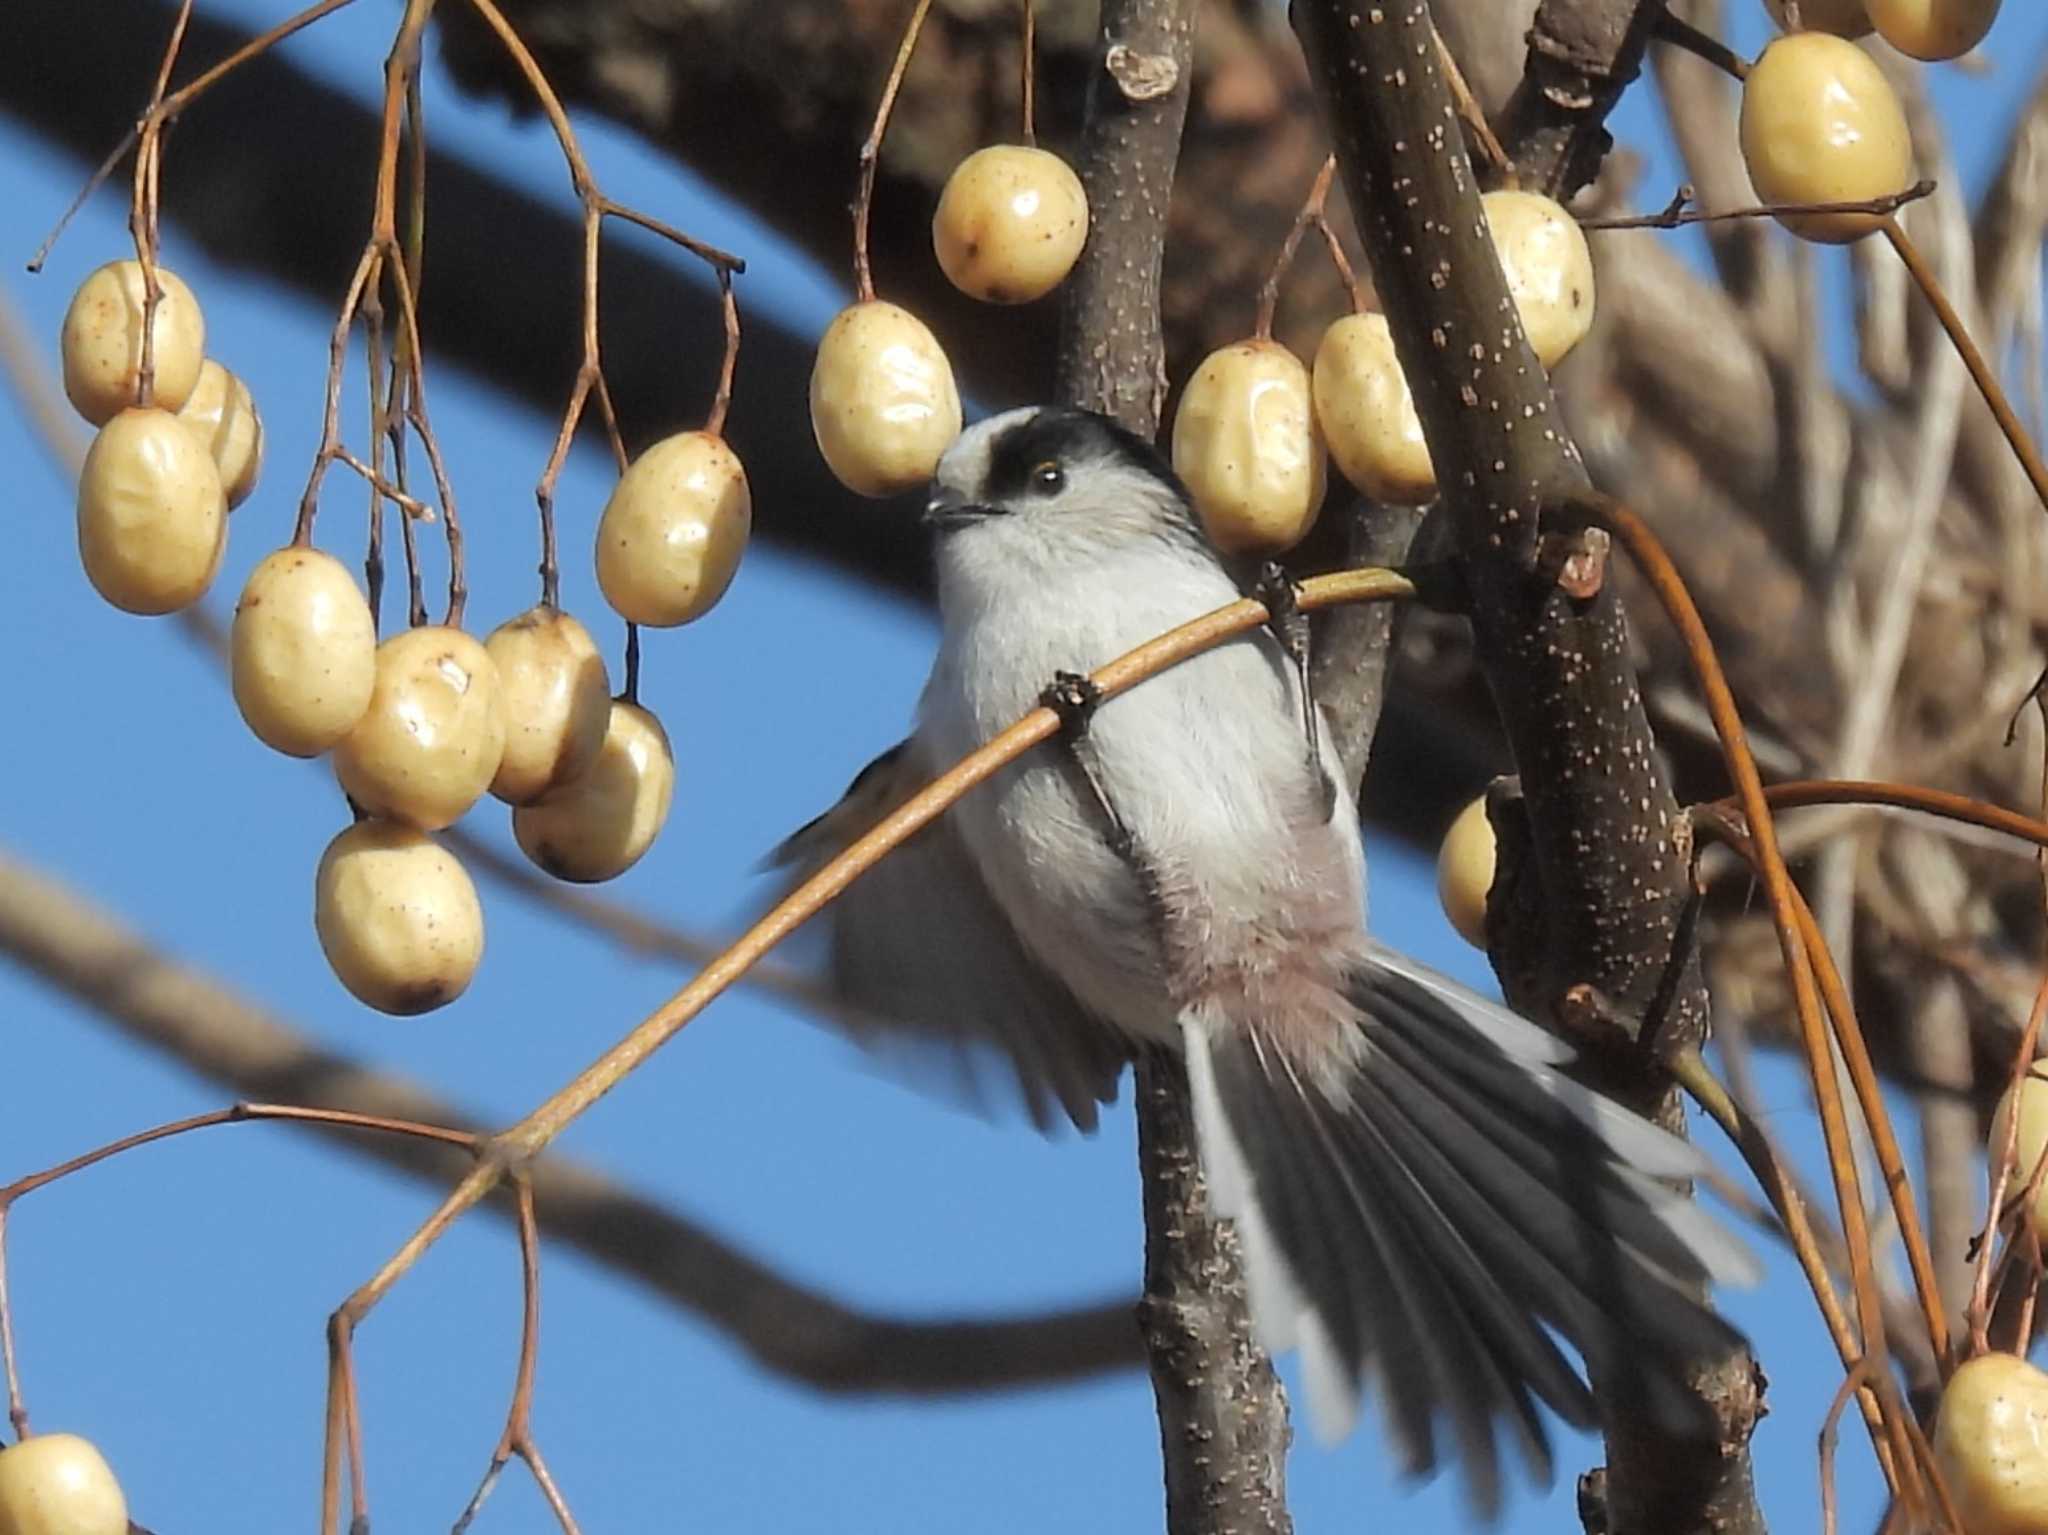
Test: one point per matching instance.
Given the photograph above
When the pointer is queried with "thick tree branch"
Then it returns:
(1222, 1414)
(1604, 849)
(62, 939)
(1582, 56)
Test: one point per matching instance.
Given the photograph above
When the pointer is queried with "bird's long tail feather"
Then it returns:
(1430, 1205)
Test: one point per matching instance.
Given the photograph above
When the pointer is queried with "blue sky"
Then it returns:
(170, 1303)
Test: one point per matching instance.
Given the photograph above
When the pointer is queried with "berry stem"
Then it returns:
(142, 208)
(871, 153)
(630, 690)
(1980, 371)
(1498, 160)
(1311, 213)
(721, 401)
(1030, 73)
(590, 371)
(168, 107)
(1679, 33)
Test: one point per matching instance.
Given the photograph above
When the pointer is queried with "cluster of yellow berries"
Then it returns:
(160, 478)
(1009, 227)
(1256, 426)
(422, 726)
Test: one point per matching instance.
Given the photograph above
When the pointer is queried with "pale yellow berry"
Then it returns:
(222, 411)
(304, 652)
(101, 343)
(883, 402)
(555, 698)
(1368, 413)
(430, 742)
(1464, 871)
(674, 529)
(59, 1484)
(1821, 124)
(152, 521)
(1549, 270)
(1247, 445)
(1991, 1443)
(597, 827)
(1844, 18)
(398, 918)
(1933, 29)
(1010, 224)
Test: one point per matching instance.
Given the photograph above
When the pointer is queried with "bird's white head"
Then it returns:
(1043, 486)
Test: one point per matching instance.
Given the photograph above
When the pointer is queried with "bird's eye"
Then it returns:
(1048, 479)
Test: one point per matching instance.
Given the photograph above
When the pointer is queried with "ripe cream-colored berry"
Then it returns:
(1010, 224)
(597, 827)
(304, 652)
(222, 412)
(1821, 124)
(1464, 871)
(152, 521)
(1844, 18)
(883, 402)
(398, 918)
(1247, 444)
(1549, 270)
(1933, 29)
(430, 742)
(1368, 413)
(59, 1484)
(674, 529)
(101, 343)
(555, 698)
(1991, 1442)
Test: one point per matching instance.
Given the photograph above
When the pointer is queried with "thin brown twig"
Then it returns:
(415, 402)
(517, 1437)
(1803, 793)
(365, 274)
(515, 1148)
(380, 379)
(1311, 213)
(1869, 1096)
(629, 690)
(718, 260)
(1676, 213)
(721, 399)
(142, 207)
(234, 1114)
(590, 369)
(411, 505)
(1655, 565)
(1853, 1382)
(871, 154)
(1342, 263)
(1680, 33)
(10, 1367)
(1980, 371)
(240, 1113)
(1781, 1188)
(1498, 160)
(168, 107)
(1977, 1316)
(1027, 86)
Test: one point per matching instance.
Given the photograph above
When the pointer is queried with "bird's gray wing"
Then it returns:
(921, 956)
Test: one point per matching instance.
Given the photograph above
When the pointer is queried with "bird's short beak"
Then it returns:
(948, 508)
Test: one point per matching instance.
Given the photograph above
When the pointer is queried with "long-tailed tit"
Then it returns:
(1426, 1200)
